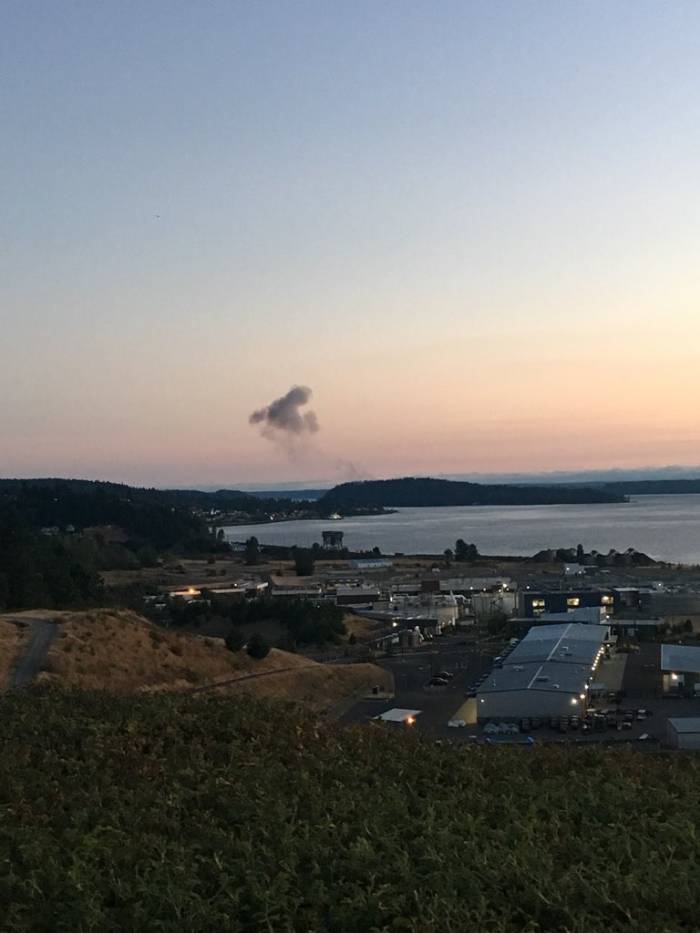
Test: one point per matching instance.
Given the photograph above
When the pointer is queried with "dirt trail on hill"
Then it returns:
(41, 633)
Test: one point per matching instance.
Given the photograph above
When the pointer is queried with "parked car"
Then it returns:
(445, 674)
(437, 682)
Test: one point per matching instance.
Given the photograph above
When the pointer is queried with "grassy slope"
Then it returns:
(12, 637)
(122, 652)
(176, 813)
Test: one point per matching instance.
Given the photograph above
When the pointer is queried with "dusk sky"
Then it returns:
(471, 228)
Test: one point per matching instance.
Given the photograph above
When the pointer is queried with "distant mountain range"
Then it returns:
(613, 478)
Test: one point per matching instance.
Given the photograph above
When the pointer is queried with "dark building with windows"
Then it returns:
(533, 604)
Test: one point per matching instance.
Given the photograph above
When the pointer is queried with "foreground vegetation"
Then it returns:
(173, 813)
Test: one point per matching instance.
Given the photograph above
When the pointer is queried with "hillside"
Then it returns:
(123, 653)
(415, 492)
(176, 813)
(12, 639)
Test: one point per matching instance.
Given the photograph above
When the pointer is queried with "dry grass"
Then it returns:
(363, 629)
(12, 637)
(318, 686)
(121, 652)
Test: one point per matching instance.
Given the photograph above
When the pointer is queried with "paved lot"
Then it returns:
(638, 672)
(642, 678)
(413, 669)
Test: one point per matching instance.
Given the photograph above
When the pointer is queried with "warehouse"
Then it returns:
(683, 732)
(680, 670)
(547, 674)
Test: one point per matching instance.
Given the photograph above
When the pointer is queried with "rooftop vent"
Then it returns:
(543, 678)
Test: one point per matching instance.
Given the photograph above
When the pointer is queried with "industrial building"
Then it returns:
(617, 598)
(332, 540)
(547, 674)
(683, 732)
(532, 604)
(590, 615)
(680, 670)
(357, 595)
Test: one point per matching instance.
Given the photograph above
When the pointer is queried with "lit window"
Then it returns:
(573, 601)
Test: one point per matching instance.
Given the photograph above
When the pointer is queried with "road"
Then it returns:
(41, 633)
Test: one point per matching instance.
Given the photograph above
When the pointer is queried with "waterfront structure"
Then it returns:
(332, 540)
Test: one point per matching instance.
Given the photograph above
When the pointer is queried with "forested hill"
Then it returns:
(60, 501)
(60, 568)
(410, 491)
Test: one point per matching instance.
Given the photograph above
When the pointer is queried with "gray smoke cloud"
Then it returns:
(282, 421)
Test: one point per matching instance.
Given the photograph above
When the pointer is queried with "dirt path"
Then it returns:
(41, 633)
(254, 675)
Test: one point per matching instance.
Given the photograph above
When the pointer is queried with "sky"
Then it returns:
(471, 228)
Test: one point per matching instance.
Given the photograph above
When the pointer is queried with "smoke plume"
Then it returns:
(282, 421)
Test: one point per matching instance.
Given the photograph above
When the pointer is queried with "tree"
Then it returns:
(303, 562)
(252, 551)
(258, 647)
(580, 554)
(235, 641)
(448, 556)
(466, 553)
(148, 556)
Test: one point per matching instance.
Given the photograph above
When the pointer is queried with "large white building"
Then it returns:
(547, 674)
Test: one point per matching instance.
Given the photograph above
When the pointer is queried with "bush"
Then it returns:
(303, 562)
(235, 641)
(210, 812)
(258, 647)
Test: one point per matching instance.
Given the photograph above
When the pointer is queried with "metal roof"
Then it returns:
(399, 715)
(549, 676)
(572, 643)
(684, 658)
(685, 724)
(550, 658)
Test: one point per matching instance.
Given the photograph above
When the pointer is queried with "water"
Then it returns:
(665, 527)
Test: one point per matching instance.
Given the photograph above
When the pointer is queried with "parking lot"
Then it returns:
(615, 718)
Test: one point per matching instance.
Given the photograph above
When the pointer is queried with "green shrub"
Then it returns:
(235, 641)
(258, 647)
